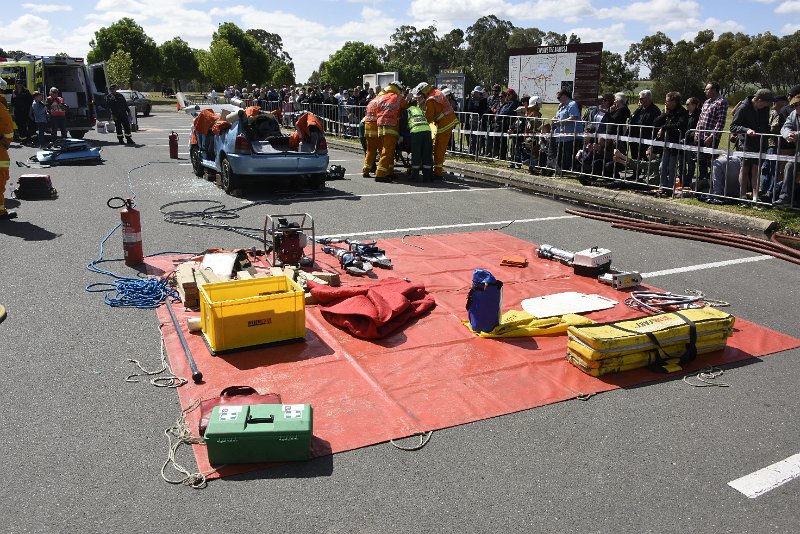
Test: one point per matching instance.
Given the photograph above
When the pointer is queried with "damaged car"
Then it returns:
(247, 146)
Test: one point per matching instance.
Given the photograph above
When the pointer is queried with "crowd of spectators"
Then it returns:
(675, 146)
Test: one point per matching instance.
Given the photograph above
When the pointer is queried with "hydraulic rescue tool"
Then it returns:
(592, 262)
(350, 262)
(366, 251)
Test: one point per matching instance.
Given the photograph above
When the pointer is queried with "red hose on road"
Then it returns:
(716, 236)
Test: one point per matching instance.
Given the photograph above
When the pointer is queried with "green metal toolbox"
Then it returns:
(259, 433)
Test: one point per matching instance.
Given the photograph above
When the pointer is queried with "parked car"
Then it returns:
(251, 150)
(135, 98)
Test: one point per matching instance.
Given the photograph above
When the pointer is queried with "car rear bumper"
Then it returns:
(285, 164)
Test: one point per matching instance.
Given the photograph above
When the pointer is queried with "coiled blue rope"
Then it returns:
(144, 293)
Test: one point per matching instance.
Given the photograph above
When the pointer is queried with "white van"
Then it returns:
(83, 87)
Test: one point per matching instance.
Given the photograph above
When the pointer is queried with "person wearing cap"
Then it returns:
(769, 167)
(750, 122)
(790, 131)
(122, 119)
(495, 100)
(6, 136)
(421, 141)
(389, 103)
(476, 107)
(566, 128)
(593, 115)
(58, 114)
(438, 111)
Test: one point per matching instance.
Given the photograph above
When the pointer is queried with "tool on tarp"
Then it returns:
(365, 250)
(621, 279)
(350, 262)
(590, 262)
(197, 376)
(289, 237)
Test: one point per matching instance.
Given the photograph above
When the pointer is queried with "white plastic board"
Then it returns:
(569, 302)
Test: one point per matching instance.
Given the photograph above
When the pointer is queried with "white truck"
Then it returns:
(83, 87)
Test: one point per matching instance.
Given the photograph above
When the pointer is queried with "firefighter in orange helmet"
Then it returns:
(371, 136)
(309, 135)
(6, 136)
(438, 111)
(389, 104)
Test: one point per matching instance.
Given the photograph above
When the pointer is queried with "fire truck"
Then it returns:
(82, 87)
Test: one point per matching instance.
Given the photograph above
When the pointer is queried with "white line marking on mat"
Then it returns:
(759, 482)
(444, 226)
(702, 266)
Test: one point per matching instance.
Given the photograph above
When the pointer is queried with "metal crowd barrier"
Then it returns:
(631, 155)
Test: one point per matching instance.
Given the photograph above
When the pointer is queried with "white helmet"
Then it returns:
(3, 84)
(420, 88)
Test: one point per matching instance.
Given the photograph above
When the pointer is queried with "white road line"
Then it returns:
(703, 266)
(184, 163)
(766, 479)
(445, 226)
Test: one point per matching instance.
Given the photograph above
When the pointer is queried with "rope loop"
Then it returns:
(424, 438)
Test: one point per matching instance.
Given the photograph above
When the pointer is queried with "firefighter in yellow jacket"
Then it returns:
(389, 104)
(6, 136)
(438, 111)
(371, 136)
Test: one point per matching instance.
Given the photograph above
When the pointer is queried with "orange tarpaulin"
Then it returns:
(434, 373)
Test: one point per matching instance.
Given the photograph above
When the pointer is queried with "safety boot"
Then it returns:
(130, 142)
(5, 214)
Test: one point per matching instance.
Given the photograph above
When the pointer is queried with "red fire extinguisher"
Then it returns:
(131, 230)
(173, 145)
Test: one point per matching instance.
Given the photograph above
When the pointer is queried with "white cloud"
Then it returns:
(612, 37)
(655, 12)
(46, 8)
(792, 6)
(32, 34)
(790, 28)
(453, 11)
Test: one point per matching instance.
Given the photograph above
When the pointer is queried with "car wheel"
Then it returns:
(194, 156)
(229, 180)
(317, 181)
(146, 111)
(77, 134)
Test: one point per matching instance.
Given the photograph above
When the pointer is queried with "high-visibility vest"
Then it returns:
(388, 109)
(371, 118)
(417, 121)
(443, 111)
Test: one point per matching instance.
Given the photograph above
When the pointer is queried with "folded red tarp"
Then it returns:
(433, 373)
(372, 310)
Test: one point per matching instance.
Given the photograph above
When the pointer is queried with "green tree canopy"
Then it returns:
(525, 37)
(178, 61)
(615, 75)
(346, 66)
(126, 35)
(651, 52)
(220, 63)
(119, 68)
(488, 48)
(283, 75)
(256, 65)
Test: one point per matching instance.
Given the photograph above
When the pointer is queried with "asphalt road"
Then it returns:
(84, 448)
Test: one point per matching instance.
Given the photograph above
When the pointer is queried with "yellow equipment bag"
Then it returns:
(519, 323)
(660, 341)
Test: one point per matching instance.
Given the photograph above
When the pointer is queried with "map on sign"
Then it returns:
(542, 74)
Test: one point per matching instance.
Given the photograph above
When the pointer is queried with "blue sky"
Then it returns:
(314, 29)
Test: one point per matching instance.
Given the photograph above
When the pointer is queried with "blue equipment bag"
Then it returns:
(484, 301)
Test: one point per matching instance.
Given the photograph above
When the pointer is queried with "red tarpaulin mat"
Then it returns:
(434, 373)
